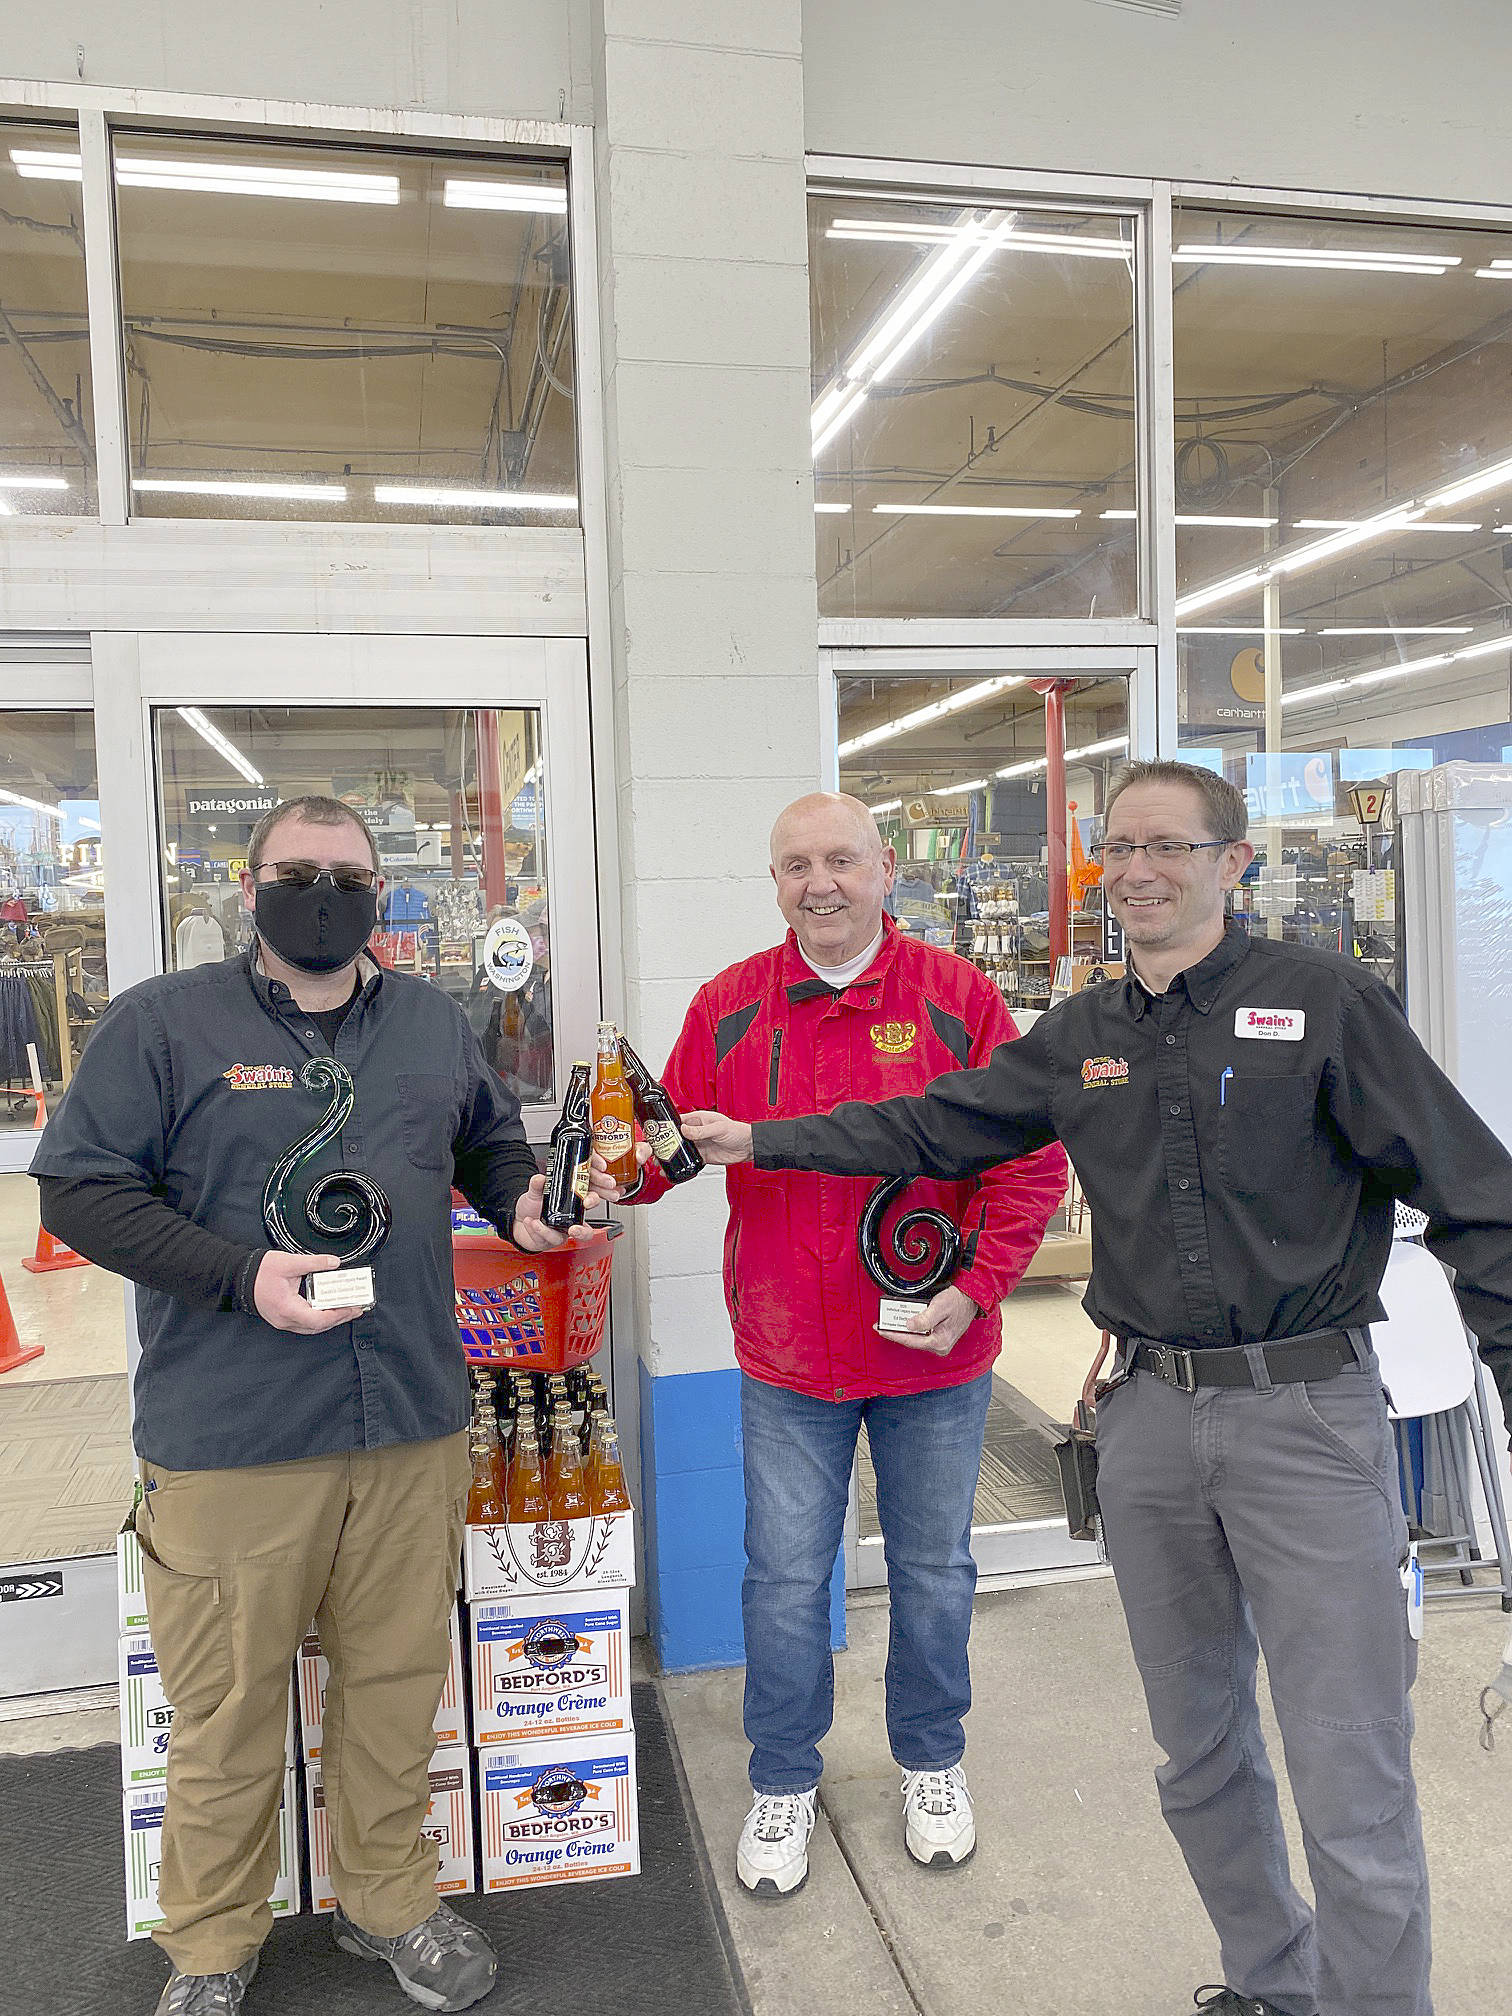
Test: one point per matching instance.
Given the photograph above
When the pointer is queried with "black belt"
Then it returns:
(1321, 1354)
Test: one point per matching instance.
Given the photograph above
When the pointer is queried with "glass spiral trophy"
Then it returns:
(909, 1240)
(343, 1204)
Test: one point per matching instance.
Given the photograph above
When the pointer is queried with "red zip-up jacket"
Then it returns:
(767, 1039)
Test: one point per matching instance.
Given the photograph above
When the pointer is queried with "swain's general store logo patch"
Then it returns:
(1104, 1071)
(259, 1078)
(894, 1037)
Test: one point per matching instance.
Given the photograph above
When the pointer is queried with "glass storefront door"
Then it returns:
(987, 773)
(468, 758)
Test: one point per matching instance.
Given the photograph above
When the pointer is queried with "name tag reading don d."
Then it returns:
(1272, 1025)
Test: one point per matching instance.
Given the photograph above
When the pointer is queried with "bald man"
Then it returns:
(850, 1007)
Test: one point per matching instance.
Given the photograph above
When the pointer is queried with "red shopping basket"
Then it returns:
(540, 1311)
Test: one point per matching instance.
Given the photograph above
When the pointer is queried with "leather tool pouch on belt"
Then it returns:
(1077, 1455)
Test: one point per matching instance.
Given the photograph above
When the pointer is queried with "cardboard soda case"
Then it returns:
(313, 1671)
(147, 1715)
(517, 1561)
(142, 1825)
(558, 1812)
(131, 1597)
(448, 1822)
(549, 1670)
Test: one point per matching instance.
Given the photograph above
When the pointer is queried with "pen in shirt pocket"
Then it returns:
(1228, 1072)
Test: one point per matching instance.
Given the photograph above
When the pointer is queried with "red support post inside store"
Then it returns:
(1055, 815)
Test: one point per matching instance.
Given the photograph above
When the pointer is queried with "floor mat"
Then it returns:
(66, 1467)
(1018, 1478)
(626, 1947)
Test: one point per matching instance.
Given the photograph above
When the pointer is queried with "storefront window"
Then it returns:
(345, 333)
(47, 460)
(1344, 485)
(53, 981)
(456, 802)
(974, 430)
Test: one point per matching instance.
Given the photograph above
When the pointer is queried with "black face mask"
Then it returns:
(318, 930)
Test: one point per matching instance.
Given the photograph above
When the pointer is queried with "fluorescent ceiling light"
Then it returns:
(218, 178)
(1203, 518)
(33, 482)
(950, 268)
(954, 790)
(1397, 630)
(887, 805)
(972, 511)
(830, 507)
(885, 231)
(193, 486)
(1072, 755)
(1335, 259)
(1379, 675)
(1497, 272)
(458, 497)
(31, 804)
(208, 732)
(920, 717)
(542, 196)
(1495, 476)
(1236, 630)
(1350, 524)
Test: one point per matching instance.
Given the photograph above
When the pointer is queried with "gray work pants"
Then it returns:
(1237, 1514)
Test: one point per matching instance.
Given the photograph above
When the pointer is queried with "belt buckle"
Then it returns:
(1175, 1366)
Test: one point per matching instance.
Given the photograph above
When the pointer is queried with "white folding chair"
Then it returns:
(1431, 1371)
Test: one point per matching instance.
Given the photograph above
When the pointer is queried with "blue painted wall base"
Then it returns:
(693, 1514)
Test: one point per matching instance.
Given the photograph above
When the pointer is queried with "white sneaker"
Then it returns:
(939, 1829)
(772, 1859)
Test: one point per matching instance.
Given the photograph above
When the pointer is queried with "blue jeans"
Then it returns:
(926, 1449)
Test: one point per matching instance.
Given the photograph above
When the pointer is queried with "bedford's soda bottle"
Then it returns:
(527, 1501)
(485, 1507)
(566, 1481)
(660, 1121)
(606, 1474)
(571, 1166)
(613, 1109)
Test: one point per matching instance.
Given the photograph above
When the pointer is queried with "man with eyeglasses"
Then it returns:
(1243, 1115)
(295, 1463)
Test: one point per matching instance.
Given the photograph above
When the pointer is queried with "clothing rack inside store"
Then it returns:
(47, 983)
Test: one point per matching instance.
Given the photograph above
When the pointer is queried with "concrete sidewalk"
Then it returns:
(1077, 1902)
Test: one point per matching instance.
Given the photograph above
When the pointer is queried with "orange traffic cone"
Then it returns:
(51, 1254)
(12, 1351)
(41, 1120)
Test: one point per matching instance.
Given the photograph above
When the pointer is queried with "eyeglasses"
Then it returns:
(305, 875)
(1118, 852)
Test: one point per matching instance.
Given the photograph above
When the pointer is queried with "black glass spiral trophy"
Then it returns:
(905, 1295)
(340, 1204)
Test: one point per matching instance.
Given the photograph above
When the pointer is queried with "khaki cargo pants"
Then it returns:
(236, 1563)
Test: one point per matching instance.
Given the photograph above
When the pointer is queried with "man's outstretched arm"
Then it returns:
(966, 1122)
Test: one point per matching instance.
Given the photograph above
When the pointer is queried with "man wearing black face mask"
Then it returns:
(295, 1463)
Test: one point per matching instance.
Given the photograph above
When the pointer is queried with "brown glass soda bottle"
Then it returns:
(571, 1166)
(660, 1121)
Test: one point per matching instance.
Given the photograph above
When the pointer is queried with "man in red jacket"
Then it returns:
(849, 1007)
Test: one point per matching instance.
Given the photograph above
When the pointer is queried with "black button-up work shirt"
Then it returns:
(189, 1088)
(1241, 1140)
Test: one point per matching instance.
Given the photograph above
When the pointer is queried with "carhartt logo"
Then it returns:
(894, 1037)
(259, 1078)
(1104, 1071)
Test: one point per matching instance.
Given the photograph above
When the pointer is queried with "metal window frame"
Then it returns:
(100, 110)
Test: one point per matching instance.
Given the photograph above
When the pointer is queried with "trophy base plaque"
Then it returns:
(901, 1316)
(341, 1288)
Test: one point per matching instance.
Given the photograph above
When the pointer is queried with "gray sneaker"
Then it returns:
(445, 1963)
(206, 1994)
